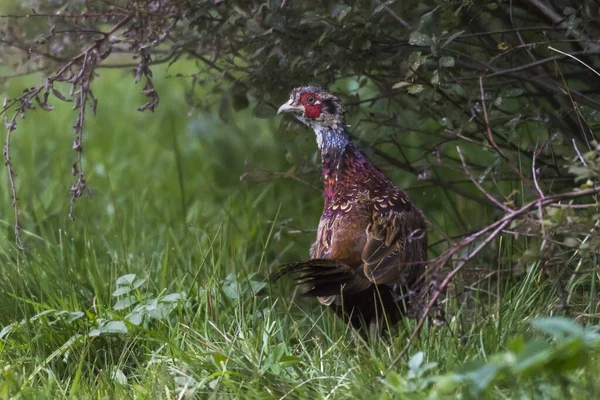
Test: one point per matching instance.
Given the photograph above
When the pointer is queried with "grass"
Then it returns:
(158, 289)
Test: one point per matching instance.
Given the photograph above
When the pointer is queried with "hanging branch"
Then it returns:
(80, 82)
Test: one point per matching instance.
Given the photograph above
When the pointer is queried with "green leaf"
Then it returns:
(125, 303)
(231, 290)
(253, 26)
(452, 37)
(289, 361)
(400, 85)
(172, 298)
(459, 90)
(138, 283)
(395, 380)
(256, 286)
(417, 38)
(435, 78)
(483, 377)
(219, 359)
(571, 242)
(75, 315)
(118, 376)
(427, 18)
(340, 11)
(114, 327)
(135, 317)
(417, 88)
(41, 314)
(571, 355)
(415, 361)
(126, 279)
(6, 330)
(121, 291)
(557, 327)
(516, 92)
(447, 62)
(383, 5)
(532, 357)
(109, 327)
(414, 61)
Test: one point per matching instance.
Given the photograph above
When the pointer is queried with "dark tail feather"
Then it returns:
(318, 265)
(323, 277)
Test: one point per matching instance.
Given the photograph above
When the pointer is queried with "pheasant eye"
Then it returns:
(310, 99)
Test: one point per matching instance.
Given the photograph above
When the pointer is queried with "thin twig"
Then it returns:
(487, 121)
(534, 173)
(491, 231)
(10, 127)
(478, 185)
(578, 153)
(574, 58)
(510, 71)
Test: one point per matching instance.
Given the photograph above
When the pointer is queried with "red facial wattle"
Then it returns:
(312, 110)
(312, 105)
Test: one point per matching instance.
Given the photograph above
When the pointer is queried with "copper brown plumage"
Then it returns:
(371, 242)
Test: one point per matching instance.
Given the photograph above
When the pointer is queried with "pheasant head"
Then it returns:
(315, 107)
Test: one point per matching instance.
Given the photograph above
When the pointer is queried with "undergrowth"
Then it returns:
(159, 288)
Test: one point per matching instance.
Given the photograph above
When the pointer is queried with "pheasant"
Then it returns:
(371, 243)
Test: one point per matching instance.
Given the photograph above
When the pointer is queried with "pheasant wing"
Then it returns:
(396, 246)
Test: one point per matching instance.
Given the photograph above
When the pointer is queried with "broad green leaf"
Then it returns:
(135, 317)
(75, 315)
(172, 298)
(415, 361)
(126, 279)
(557, 327)
(417, 38)
(118, 376)
(452, 37)
(125, 303)
(6, 330)
(446, 61)
(571, 242)
(515, 92)
(256, 286)
(485, 376)
(417, 88)
(400, 85)
(121, 291)
(231, 291)
(138, 283)
(435, 78)
(114, 327)
(340, 11)
(532, 357)
(289, 361)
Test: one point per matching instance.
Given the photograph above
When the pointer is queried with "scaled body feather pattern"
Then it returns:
(371, 243)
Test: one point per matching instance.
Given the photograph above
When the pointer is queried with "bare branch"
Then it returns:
(488, 234)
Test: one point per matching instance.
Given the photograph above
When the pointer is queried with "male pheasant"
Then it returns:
(371, 242)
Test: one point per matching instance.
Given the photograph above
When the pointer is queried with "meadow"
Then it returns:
(159, 288)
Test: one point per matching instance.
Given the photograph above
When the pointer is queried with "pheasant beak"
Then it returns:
(289, 107)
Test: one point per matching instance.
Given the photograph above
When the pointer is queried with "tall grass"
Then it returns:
(158, 288)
